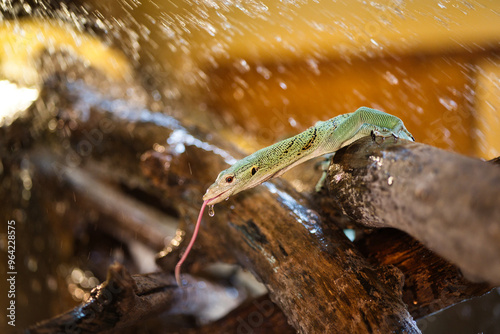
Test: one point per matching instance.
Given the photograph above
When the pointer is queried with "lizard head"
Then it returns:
(240, 176)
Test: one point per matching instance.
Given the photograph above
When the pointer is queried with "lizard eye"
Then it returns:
(229, 179)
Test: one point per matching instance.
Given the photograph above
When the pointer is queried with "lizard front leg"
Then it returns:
(323, 164)
(380, 124)
(361, 123)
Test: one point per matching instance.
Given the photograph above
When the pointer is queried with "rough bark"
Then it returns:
(451, 203)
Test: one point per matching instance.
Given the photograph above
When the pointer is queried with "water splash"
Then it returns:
(211, 211)
(181, 138)
(448, 103)
(308, 218)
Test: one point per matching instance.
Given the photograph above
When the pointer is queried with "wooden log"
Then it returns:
(163, 176)
(167, 176)
(314, 274)
(123, 217)
(449, 202)
(431, 283)
(125, 300)
(117, 303)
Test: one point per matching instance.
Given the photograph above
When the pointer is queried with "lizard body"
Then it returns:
(323, 138)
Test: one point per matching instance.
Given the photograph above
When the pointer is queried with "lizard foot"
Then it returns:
(375, 134)
(324, 167)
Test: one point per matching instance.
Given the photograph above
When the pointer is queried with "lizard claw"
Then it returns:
(377, 134)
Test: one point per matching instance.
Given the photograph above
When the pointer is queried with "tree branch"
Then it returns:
(271, 230)
(116, 303)
(268, 230)
(449, 202)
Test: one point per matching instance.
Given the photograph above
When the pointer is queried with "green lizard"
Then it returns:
(272, 161)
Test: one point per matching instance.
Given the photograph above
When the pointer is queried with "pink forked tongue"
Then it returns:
(190, 245)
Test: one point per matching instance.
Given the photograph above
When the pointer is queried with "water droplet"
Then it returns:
(313, 65)
(264, 72)
(448, 103)
(391, 78)
(242, 66)
(211, 211)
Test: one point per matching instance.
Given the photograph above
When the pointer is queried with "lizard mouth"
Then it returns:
(216, 199)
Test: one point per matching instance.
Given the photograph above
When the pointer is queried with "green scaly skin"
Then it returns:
(323, 138)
